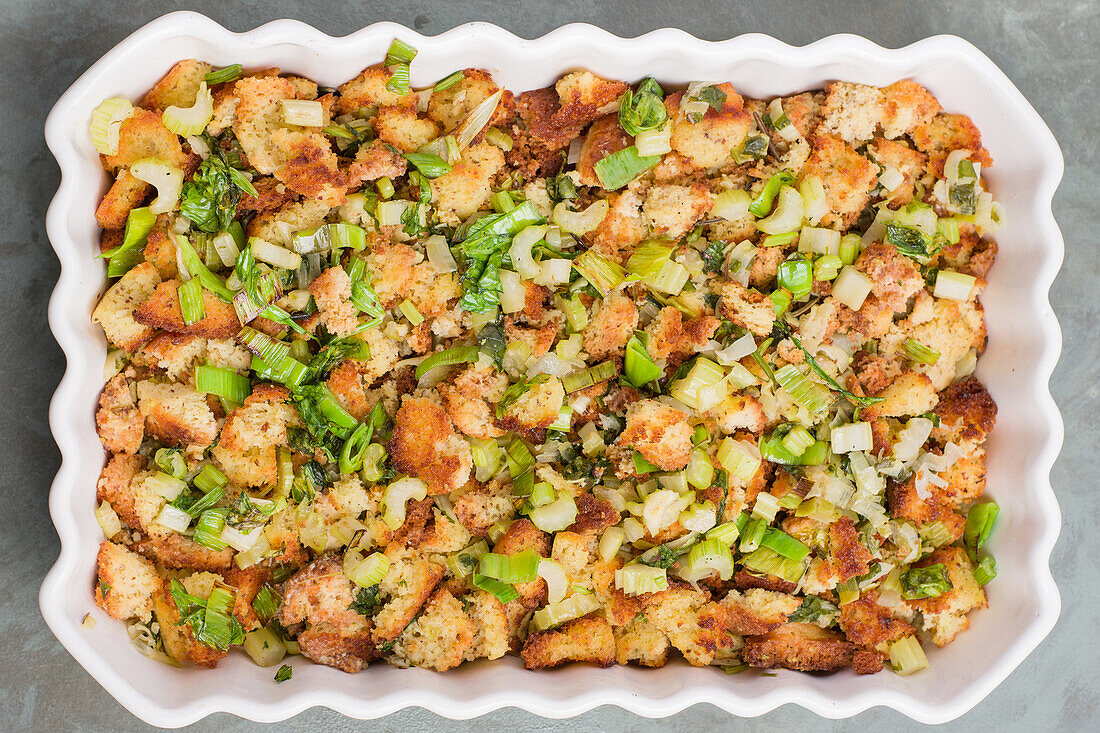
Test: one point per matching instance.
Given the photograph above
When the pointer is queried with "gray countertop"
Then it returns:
(1047, 47)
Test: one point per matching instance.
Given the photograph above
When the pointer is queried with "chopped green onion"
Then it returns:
(919, 353)
(429, 164)
(209, 478)
(636, 579)
(602, 273)
(849, 248)
(766, 560)
(623, 166)
(576, 316)
(798, 440)
(501, 591)
(803, 390)
(781, 301)
(927, 582)
(368, 571)
(354, 449)
(266, 603)
(448, 357)
(638, 364)
(979, 524)
(208, 531)
(588, 376)
(448, 81)
(907, 656)
(706, 557)
(948, 227)
(195, 267)
(783, 544)
(399, 53)
(498, 138)
(409, 311)
(827, 267)
(847, 592)
(224, 383)
(285, 672)
(752, 533)
(556, 515)
(762, 204)
(519, 568)
(642, 466)
(796, 275)
(725, 533)
(224, 74)
(385, 187)
(986, 570)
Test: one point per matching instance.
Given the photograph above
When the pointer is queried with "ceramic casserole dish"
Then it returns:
(1024, 343)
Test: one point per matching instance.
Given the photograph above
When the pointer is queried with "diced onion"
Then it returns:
(303, 112)
(891, 178)
(520, 251)
(554, 271)
(852, 437)
(241, 541)
(557, 582)
(226, 247)
(174, 519)
(580, 222)
(275, 255)
(950, 284)
(787, 215)
(610, 542)
(476, 121)
(167, 179)
(654, 142)
(912, 438)
(108, 520)
(852, 287)
(776, 112)
(736, 351)
(191, 120)
(439, 254)
(819, 240)
(513, 295)
(813, 198)
(106, 121)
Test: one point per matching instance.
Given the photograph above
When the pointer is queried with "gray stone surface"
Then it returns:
(1047, 47)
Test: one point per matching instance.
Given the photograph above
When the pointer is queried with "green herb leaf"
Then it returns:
(623, 166)
(784, 331)
(910, 241)
(714, 256)
(210, 198)
(644, 109)
(713, 96)
(926, 582)
(491, 340)
(284, 673)
(367, 601)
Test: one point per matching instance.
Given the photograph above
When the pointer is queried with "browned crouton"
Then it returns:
(967, 413)
(306, 164)
(852, 111)
(622, 228)
(805, 647)
(404, 129)
(954, 328)
(119, 423)
(739, 412)
(374, 161)
(176, 414)
(115, 485)
(369, 90)
(870, 625)
(847, 555)
(604, 137)
(673, 210)
(450, 106)
(179, 641)
(178, 552)
(758, 611)
(173, 354)
(337, 647)
(906, 503)
(848, 178)
(593, 515)
(143, 135)
(910, 393)
(320, 593)
(587, 639)
(708, 141)
(906, 161)
(659, 432)
(259, 114)
(673, 338)
(804, 112)
(162, 310)
(408, 584)
(749, 309)
(440, 637)
(642, 642)
(946, 133)
(116, 310)
(469, 401)
(906, 105)
(894, 277)
(945, 615)
(694, 625)
(248, 583)
(178, 87)
(466, 188)
(611, 326)
(127, 192)
(247, 445)
(332, 291)
(127, 583)
(424, 445)
(480, 506)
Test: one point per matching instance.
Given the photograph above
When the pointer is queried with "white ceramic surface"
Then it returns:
(1024, 343)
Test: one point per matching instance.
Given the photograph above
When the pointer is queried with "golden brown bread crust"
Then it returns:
(967, 412)
(587, 639)
(805, 647)
(162, 310)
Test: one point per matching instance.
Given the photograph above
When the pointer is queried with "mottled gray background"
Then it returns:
(1047, 47)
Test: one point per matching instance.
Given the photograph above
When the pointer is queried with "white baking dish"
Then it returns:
(1024, 342)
